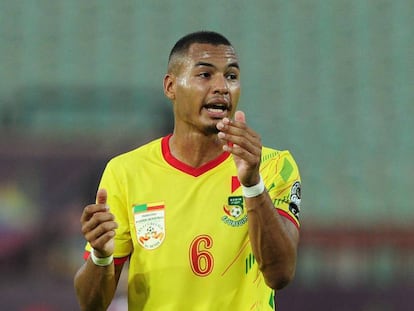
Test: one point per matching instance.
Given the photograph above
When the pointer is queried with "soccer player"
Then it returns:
(206, 216)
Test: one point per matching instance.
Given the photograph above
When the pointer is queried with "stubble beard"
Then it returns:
(211, 129)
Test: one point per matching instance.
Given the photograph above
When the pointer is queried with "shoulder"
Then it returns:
(148, 150)
(280, 162)
(271, 154)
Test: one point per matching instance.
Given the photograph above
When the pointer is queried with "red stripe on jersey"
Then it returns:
(193, 171)
(235, 183)
(155, 207)
(286, 215)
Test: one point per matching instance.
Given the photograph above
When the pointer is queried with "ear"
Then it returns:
(169, 86)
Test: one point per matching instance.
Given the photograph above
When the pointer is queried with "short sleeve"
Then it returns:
(283, 183)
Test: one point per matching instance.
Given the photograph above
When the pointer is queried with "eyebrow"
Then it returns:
(199, 64)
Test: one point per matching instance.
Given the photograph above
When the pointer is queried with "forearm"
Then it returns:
(95, 286)
(273, 240)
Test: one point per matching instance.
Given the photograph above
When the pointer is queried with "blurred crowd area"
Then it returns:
(329, 80)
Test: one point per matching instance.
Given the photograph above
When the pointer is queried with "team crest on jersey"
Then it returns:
(150, 224)
(235, 214)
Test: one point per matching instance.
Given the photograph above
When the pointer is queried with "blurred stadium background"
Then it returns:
(332, 81)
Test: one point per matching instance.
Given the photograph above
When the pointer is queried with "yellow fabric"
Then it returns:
(186, 232)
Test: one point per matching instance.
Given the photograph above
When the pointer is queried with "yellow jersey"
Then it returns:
(185, 230)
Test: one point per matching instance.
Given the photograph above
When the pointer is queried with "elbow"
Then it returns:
(277, 278)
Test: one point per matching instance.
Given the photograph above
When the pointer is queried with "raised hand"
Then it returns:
(245, 145)
(98, 225)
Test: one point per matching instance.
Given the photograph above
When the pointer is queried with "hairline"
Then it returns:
(183, 45)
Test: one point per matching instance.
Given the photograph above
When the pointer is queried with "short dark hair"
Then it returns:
(210, 37)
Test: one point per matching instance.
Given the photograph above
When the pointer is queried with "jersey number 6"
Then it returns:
(201, 260)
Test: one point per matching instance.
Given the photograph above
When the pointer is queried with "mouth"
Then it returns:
(216, 107)
(217, 110)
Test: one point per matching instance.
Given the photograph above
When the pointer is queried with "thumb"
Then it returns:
(101, 196)
(240, 116)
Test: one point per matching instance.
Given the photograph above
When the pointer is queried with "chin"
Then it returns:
(212, 129)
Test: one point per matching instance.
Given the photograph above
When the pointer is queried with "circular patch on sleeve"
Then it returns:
(295, 199)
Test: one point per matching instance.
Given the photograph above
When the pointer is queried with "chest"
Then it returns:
(182, 216)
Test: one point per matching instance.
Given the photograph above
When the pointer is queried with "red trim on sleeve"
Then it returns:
(286, 215)
(117, 261)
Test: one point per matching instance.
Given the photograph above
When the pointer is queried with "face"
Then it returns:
(204, 87)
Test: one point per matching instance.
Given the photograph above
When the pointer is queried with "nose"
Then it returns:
(220, 85)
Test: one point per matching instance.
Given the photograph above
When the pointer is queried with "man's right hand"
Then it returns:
(98, 225)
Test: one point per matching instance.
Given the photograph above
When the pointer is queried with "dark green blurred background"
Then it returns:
(332, 81)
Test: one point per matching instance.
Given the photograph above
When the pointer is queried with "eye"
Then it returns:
(204, 75)
(231, 76)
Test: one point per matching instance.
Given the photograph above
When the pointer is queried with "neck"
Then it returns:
(195, 149)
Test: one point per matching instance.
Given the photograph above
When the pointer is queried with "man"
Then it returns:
(206, 216)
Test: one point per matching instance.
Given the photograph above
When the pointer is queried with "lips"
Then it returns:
(218, 103)
(216, 107)
(217, 111)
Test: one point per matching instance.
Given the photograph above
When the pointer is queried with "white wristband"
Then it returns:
(254, 191)
(101, 261)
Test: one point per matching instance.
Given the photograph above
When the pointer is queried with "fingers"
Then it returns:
(239, 139)
(100, 206)
(100, 234)
(98, 223)
(240, 116)
(244, 144)
(236, 127)
(101, 196)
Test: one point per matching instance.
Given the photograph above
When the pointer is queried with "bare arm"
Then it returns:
(274, 239)
(95, 285)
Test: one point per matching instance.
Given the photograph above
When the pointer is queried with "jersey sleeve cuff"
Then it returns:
(288, 216)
